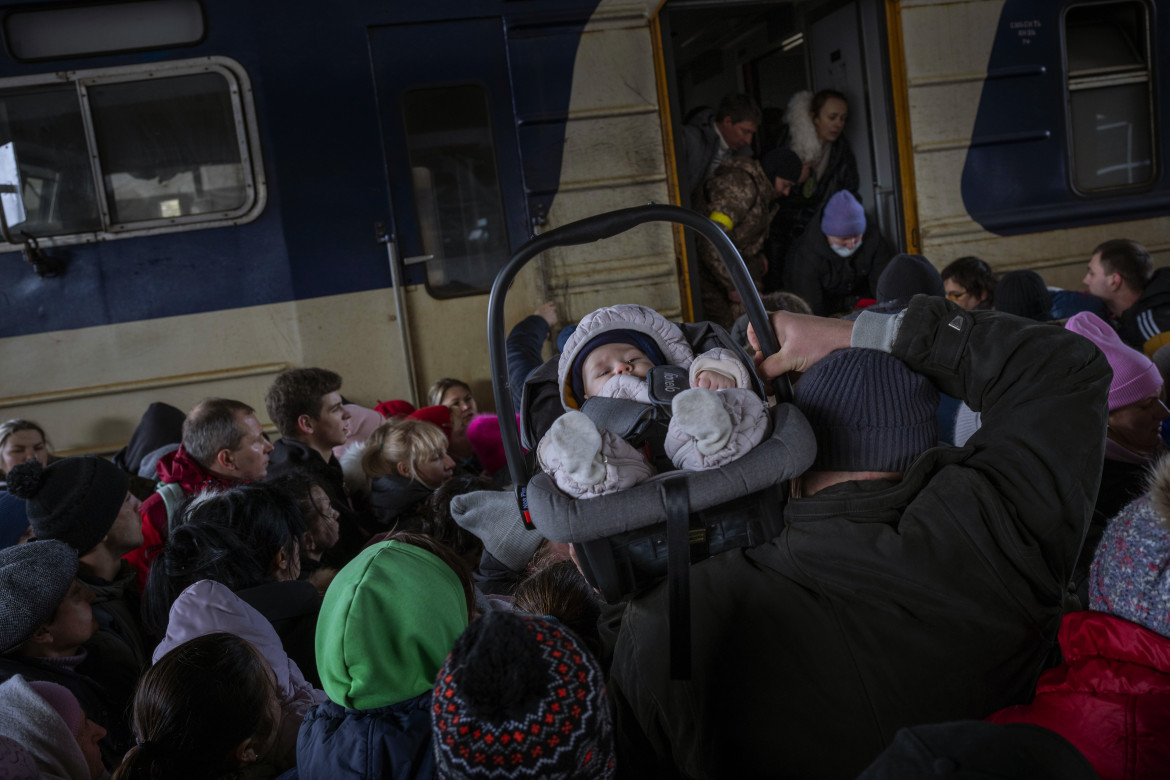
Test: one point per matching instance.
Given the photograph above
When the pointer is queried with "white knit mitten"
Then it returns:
(572, 446)
(699, 413)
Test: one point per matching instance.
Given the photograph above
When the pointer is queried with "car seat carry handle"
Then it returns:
(587, 231)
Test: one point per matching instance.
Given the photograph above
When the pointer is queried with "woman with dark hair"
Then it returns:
(249, 539)
(970, 283)
(208, 709)
(320, 516)
(816, 132)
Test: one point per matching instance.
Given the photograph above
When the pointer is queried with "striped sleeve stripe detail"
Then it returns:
(1146, 324)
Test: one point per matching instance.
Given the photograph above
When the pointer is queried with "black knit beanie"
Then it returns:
(521, 696)
(906, 276)
(34, 580)
(75, 500)
(1024, 294)
(782, 162)
(869, 411)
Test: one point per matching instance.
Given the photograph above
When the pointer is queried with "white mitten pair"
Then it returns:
(707, 429)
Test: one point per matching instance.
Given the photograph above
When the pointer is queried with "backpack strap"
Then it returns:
(172, 495)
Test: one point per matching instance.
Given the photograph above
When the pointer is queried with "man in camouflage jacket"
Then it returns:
(742, 198)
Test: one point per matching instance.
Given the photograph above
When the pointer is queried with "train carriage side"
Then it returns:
(1034, 130)
(261, 166)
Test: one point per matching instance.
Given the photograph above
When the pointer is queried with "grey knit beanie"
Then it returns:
(34, 580)
(75, 500)
(869, 411)
(1130, 575)
(493, 516)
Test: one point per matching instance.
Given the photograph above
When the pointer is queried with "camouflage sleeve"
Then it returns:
(730, 195)
(714, 265)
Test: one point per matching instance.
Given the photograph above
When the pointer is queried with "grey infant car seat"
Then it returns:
(630, 540)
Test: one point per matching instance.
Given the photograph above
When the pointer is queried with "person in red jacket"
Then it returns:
(1111, 696)
(223, 446)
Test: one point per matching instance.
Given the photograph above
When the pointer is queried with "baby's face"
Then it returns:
(610, 359)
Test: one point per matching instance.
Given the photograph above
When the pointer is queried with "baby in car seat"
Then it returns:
(609, 356)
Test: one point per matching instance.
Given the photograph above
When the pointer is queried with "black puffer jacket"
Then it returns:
(830, 283)
(885, 605)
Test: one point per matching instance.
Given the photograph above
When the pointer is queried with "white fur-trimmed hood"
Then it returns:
(1160, 489)
(802, 134)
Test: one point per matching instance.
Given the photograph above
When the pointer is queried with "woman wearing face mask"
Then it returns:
(838, 259)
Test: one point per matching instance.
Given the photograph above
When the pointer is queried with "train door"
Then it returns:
(773, 50)
(452, 163)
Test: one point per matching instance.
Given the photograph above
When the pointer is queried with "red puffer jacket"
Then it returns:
(193, 478)
(1110, 698)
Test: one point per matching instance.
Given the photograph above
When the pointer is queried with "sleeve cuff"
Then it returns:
(876, 331)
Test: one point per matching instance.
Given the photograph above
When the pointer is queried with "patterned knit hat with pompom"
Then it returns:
(521, 696)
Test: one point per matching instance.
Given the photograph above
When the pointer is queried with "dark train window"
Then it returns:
(128, 151)
(456, 187)
(1107, 65)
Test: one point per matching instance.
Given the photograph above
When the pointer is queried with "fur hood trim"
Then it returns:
(802, 134)
(1160, 489)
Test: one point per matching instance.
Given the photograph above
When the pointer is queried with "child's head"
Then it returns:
(508, 675)
(561, 592)
(265, 516)
(207, 708)
(629, 325)
(44, 609)
(408, 448)
(317, 512)
(421, 606)
(610, 353)
(439, 523)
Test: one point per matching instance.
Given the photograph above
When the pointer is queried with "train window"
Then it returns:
(55, 33)
(456, 185)
(1107, 59)
(168, 148)
(131, 151)
(55, 179)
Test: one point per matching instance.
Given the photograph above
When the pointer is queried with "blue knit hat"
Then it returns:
(843, 216)
(1130, 575)
(869, 411)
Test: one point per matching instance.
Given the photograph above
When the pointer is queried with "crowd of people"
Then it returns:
(971, 568)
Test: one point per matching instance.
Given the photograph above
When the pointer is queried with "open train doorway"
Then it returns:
(771, 51)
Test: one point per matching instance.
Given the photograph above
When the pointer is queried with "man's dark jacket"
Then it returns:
(883, 605)
(1145, 326)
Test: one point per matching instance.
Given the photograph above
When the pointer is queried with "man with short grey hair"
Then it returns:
(223, 446)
